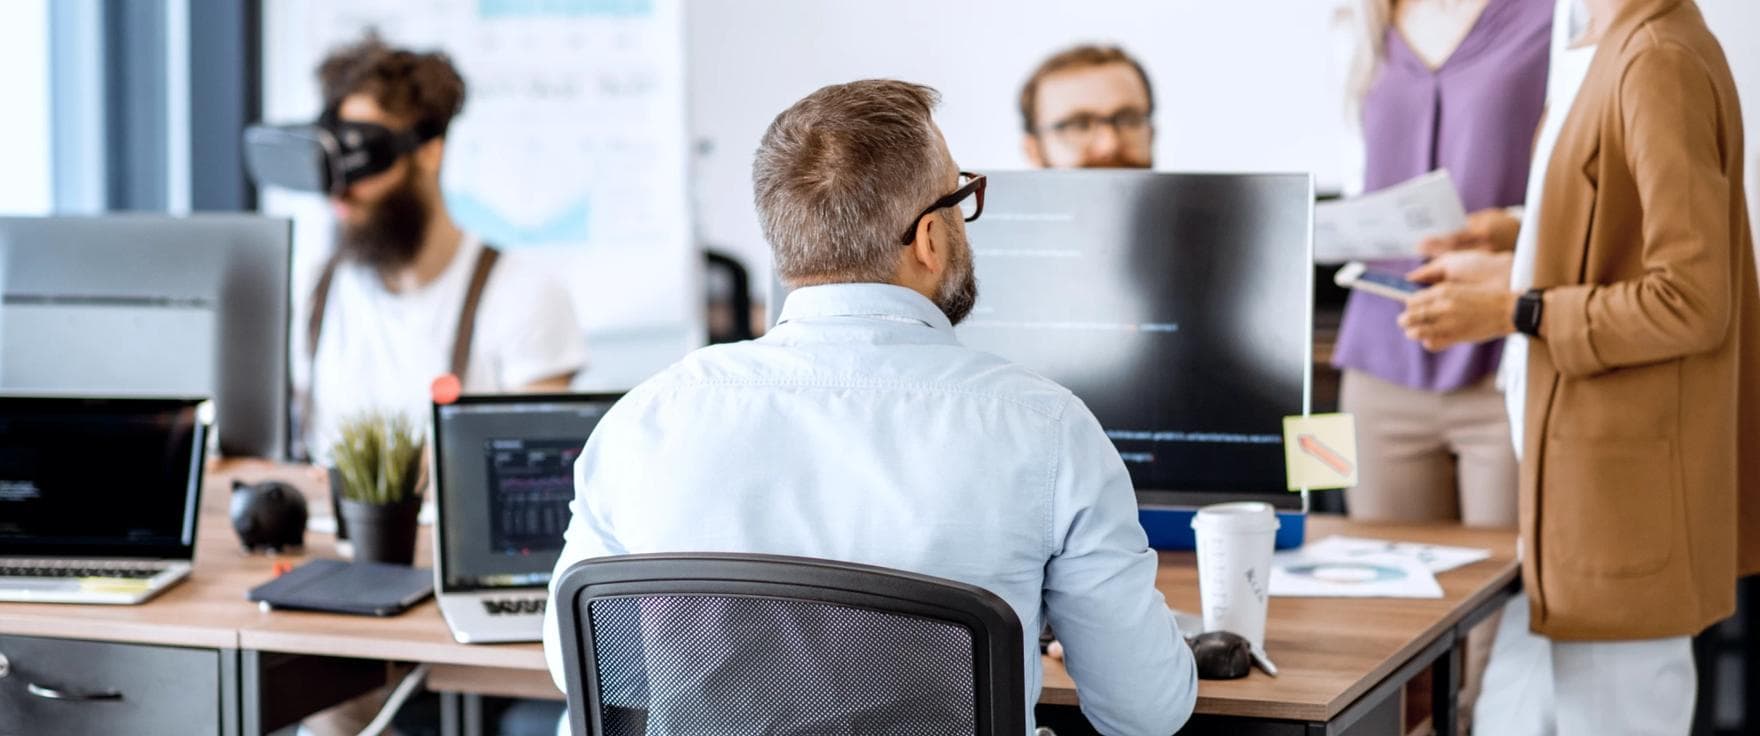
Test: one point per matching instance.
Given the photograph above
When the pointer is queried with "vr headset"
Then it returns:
(326, 156)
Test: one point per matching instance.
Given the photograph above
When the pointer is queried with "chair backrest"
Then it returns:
(729, 291)
(764, 645)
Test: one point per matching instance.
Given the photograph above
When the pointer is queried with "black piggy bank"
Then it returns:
(270, 515)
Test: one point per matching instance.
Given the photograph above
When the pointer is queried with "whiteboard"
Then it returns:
(571, 150)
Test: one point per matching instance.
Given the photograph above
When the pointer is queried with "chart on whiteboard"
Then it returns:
(572, 143)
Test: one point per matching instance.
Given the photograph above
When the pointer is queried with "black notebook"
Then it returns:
(366, 588)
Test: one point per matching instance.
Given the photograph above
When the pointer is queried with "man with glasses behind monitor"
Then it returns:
(859, 429)
(1089, 107)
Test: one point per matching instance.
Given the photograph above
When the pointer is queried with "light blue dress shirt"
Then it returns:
(859, 429)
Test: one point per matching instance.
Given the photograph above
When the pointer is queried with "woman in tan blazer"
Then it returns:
(1640, 492)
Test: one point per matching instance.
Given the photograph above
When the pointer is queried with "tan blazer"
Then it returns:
(1641, 472)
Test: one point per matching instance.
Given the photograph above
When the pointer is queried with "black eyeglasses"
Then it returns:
(969, 184)
(1078, 129)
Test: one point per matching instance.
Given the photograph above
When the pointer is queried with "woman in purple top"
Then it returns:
(1456, 85)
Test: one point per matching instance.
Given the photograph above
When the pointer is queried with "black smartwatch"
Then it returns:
(1527, 316)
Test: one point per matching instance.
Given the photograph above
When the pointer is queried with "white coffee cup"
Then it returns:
(1235, 541)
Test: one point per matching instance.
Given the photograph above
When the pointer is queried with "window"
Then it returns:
(25, 150)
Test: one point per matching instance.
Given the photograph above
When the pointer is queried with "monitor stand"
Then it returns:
(1170, 526)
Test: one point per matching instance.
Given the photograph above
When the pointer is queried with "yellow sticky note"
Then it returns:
(1320, 451)
(112, 585)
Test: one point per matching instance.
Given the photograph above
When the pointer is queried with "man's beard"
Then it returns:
(393, 231)
(958, 292)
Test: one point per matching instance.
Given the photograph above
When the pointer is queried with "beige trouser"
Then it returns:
(1430, 456)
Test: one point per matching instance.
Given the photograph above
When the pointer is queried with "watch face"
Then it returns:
(1527, 315)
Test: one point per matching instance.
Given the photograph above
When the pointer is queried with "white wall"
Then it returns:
(1240, 85)
(25, 184)
(1737, 25)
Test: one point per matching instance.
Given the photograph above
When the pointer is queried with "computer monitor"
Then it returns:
(1176, 306)
(504, 467)
(153, 305)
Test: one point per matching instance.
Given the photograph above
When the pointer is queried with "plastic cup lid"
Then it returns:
(1239, 516)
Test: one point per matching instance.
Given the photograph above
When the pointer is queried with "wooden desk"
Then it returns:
(1332, 653)
(205, 610)
(1343, 662)
(329, 658)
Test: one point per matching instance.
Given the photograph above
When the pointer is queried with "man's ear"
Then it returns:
(430, 154)
(1035, 153)
(928, 252)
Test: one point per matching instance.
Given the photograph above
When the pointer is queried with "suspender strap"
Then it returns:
(320, 298)
(467, 316)
(314, 326)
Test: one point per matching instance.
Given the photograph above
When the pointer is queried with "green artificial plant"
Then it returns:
(379, 457)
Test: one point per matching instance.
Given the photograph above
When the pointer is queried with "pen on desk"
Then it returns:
(1264, 663)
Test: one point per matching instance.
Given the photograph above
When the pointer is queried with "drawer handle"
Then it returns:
(49, 693)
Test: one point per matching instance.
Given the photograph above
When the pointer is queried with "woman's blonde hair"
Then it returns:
(1372, 20)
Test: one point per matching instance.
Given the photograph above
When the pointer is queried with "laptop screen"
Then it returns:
(505, 466)
(100, 477)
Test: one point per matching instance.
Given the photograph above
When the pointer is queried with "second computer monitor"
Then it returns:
(1176, 306)
(152, 305)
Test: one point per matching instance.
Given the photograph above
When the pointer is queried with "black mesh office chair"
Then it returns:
(728, 290)
(763, 645)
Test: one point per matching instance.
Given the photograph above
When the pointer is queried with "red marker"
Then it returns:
(1319, 451)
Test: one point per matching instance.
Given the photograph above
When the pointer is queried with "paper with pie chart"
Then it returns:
(1438, 558)
(1304, 574)
(1320, 451)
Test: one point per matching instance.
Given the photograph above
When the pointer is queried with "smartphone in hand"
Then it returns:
(1355, 275)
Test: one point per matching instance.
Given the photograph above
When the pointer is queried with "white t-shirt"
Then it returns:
(1568, 68)
(381, 351)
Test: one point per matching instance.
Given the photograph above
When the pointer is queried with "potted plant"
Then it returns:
(379, 465)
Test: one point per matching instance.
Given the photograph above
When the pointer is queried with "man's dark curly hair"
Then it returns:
(423, 87)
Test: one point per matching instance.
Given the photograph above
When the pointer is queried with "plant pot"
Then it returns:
(383, 532)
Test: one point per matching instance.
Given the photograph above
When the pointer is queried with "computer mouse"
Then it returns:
(1221, 655)
(268, 515)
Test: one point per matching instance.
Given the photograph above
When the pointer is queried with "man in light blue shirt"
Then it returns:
(859, 429)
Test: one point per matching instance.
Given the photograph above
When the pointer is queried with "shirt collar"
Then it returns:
(882, 301)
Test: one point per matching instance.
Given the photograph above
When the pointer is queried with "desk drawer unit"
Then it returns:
(68, 687)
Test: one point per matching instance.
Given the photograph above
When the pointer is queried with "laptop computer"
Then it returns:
(503, 470)
(99, 497)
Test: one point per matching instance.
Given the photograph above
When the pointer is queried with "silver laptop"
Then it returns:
(98, 497)
(503, 477)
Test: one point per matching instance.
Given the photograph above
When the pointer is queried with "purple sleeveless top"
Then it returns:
(1475, 116)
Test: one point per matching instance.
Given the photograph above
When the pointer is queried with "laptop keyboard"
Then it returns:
(80, 569)
(513, 606)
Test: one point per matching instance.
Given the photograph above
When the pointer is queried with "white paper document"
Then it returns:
(1388, 223)
(1437, 558)
(1304, 574)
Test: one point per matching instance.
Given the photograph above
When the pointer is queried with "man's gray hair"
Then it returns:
(841, 175)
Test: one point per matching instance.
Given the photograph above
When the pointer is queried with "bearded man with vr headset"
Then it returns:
(407, 296)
